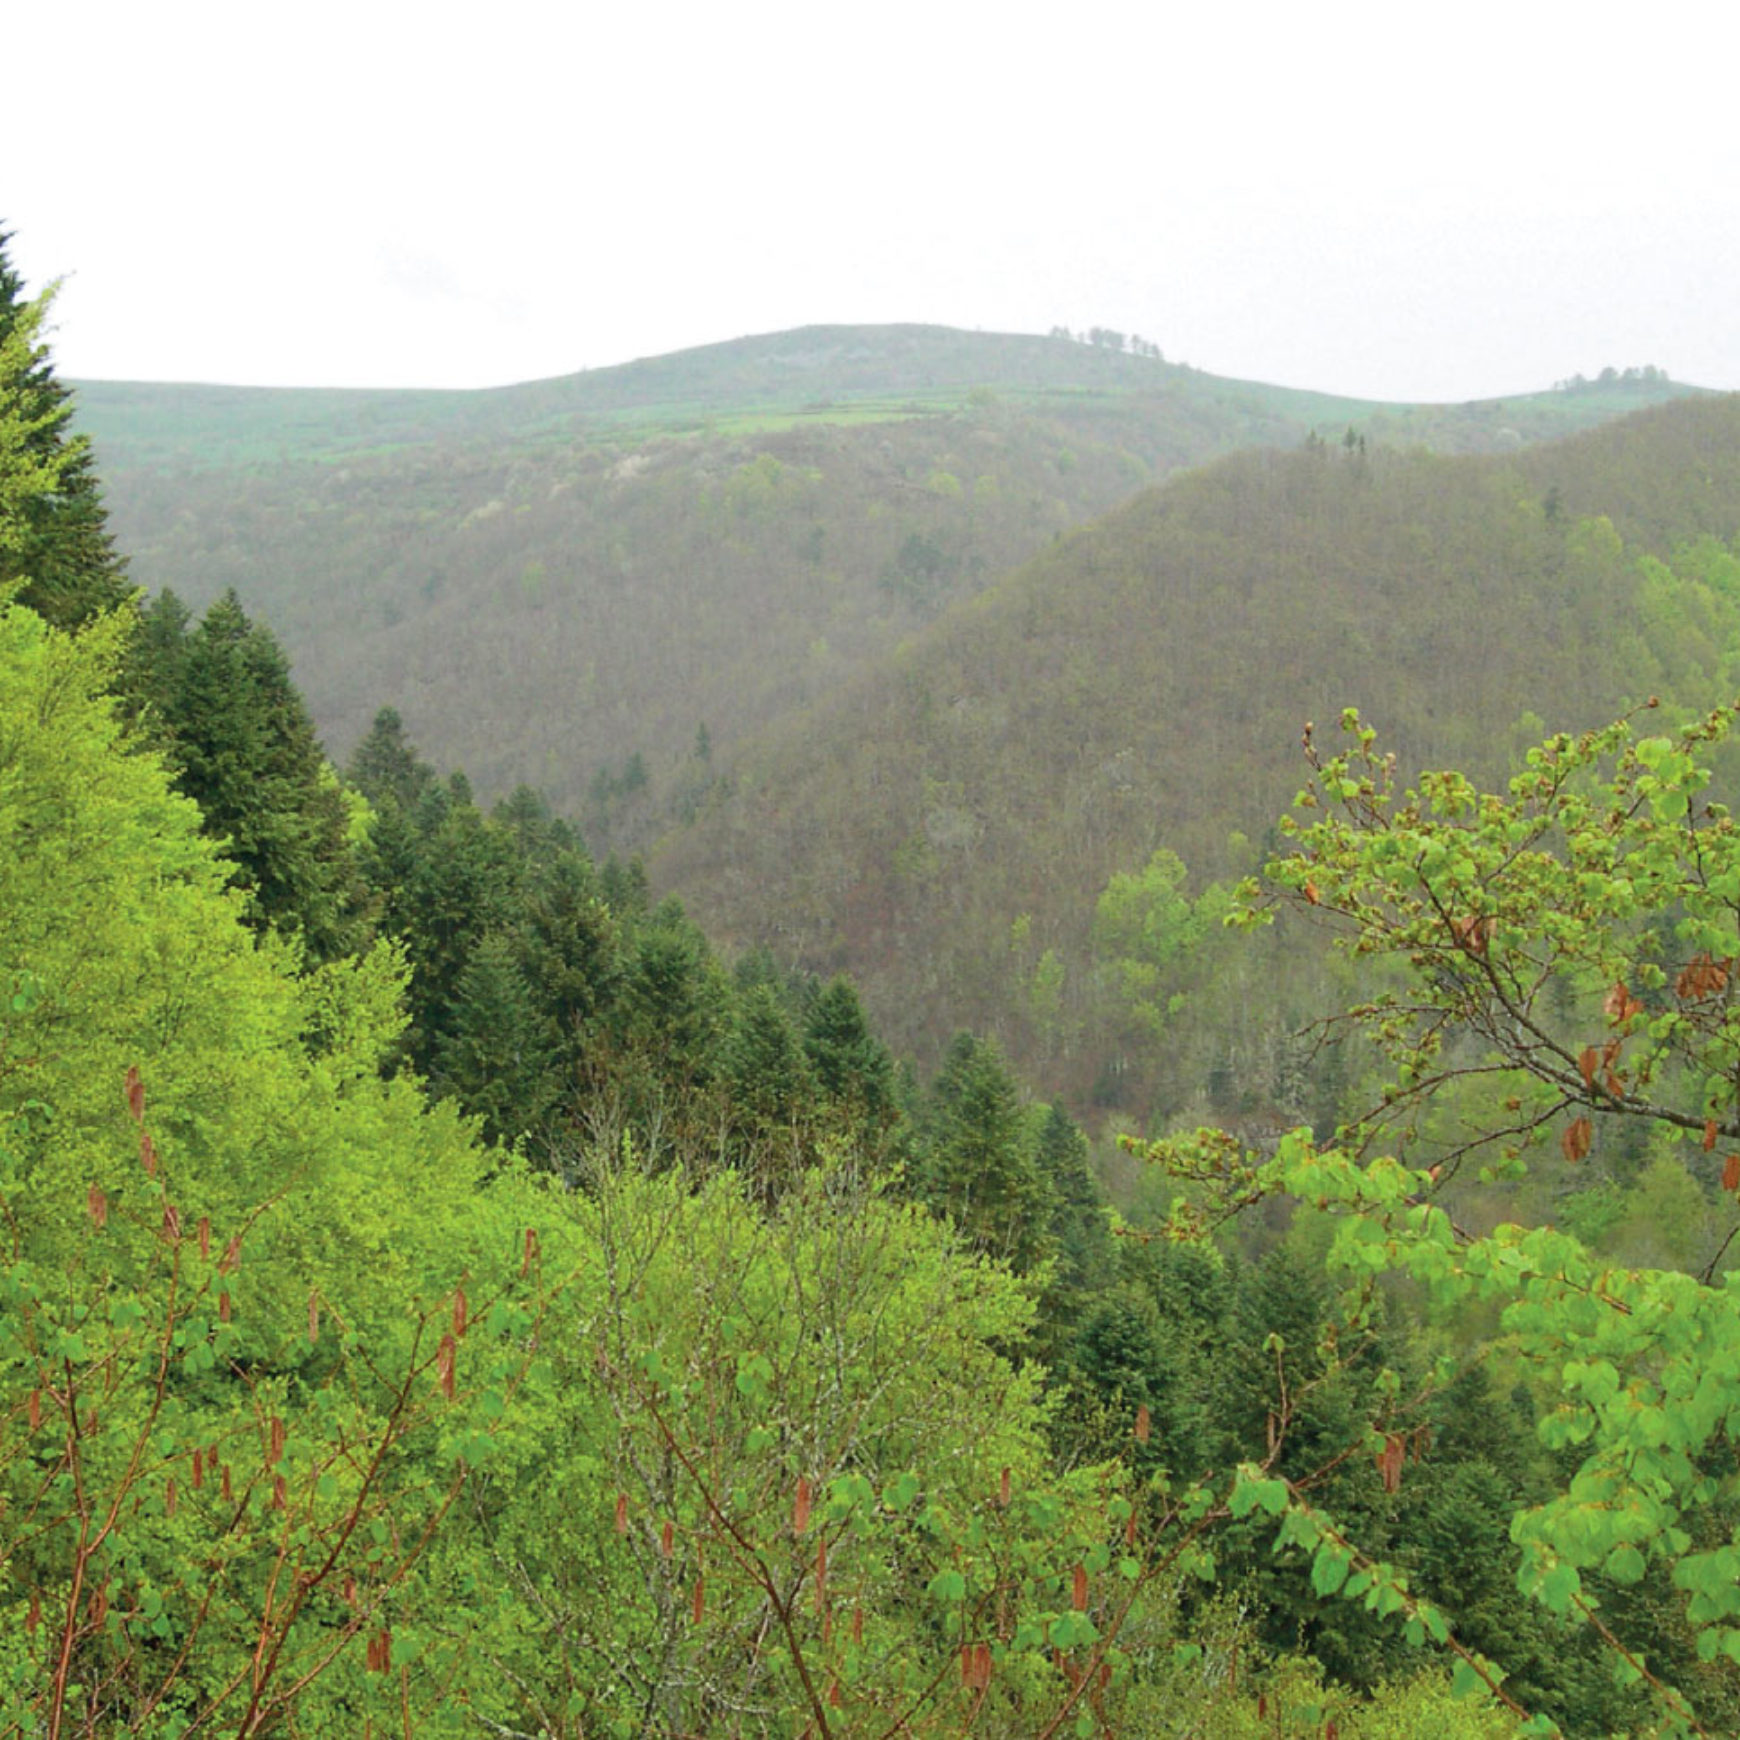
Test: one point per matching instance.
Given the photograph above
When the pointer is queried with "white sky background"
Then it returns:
(1372, 199)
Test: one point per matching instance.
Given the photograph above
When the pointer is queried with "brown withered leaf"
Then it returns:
(147, 1153)
(98, 1204)
(1389, 1462)
(1003, 1487)
(667, 1538)
(1709, 1134)
(205, 1235)
(460, 1319)
(800, 1509)
(1588, 1062)
(1701, 977)
(275, 1442)
(1144, 1424)
(1731, 1172)
(134, 1089)
(35, 1409)
(444, 1363)
(1575, 1142)
(1310, 891)
(622, 1513)
(699, 1606)
(1079, 1593)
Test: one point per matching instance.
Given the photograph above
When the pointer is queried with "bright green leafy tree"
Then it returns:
(238, 1393)
(1558, 960)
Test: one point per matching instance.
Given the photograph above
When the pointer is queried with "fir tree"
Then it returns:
(494, 1057)
(977, 1161)
(851, 1065)
(571, 950)
(59, 543)
(237, 727)
(385, 766)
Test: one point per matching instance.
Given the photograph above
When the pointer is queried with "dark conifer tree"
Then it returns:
(63, 551)
(669, 1018)
(625, 887)
(976, 1158)
(538, 832)
(385, 767)
(770, 1077)
(1078, 1223)
(571, 949)
(238, 730)
(447, 879)
(494, 1056)
(851, 1064)
(155, 662)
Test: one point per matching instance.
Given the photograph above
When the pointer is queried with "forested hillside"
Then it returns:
(445, 1289)
(971, 829)
(597, 584)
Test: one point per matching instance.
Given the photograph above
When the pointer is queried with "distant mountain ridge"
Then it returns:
(813, 369)
(584, 583)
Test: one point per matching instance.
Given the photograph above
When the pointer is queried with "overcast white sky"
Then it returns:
(1389, 200)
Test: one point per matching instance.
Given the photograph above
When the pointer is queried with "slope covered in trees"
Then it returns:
(318, 1414)
(592, 583)
(952, 829)
(444, 1295)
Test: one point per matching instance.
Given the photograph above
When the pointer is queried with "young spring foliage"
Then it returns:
(1568, 948)
(236, 1398)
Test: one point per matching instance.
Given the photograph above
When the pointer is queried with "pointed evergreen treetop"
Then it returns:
(53, 533)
